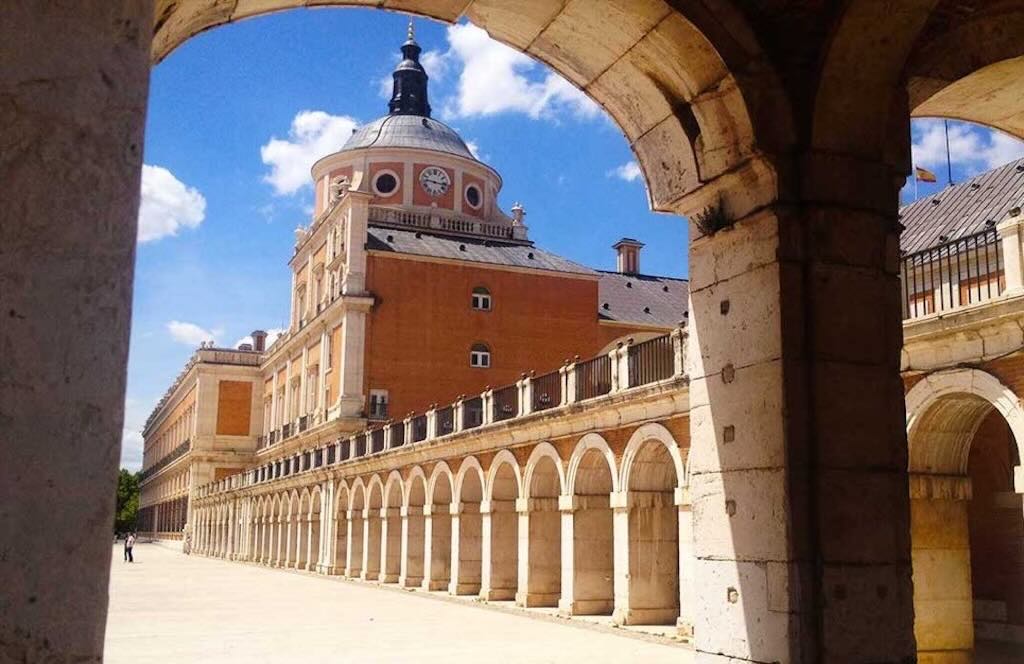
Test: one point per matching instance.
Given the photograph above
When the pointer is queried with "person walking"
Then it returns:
(129, 542)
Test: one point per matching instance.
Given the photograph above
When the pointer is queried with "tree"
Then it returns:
(127, 501)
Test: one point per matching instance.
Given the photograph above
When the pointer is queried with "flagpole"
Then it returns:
(949, 163)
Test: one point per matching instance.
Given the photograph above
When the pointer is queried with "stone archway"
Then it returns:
(966, 431)
(391, 529)
(438, 537)
(540, 528)
(649, 517)
(467, 529)
(414, 529)
(500, 529)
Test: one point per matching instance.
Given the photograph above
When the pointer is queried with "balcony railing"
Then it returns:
(954, 274)
(593, 377)
(650, 361)
(628, 366)
(472, 412)
(445, 419)
(168, 458)
(506, 403)
(547, 390)
(439, 220)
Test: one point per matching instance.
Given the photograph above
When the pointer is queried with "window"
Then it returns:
(481, 299)
(480, 356)
(379, 404)
(473, 196)
(385, 183)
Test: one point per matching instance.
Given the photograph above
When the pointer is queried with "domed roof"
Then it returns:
(408, 131)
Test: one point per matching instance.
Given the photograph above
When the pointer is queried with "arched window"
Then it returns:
(481, 299)
(480, 356)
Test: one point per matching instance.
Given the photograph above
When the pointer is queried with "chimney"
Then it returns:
(259, 340)
(628, 251)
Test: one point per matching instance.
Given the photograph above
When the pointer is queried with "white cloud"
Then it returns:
(190, 333)
(630, 171)
(435, 63)
(971, 147)
(167, 205)
(312, 135)
(131, 449)
(474, 148)
(494, 78)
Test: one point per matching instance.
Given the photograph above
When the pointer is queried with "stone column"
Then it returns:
(941, 554)
(74, 82)
(684, 623)
(620, 552)
(350, 571)
(798, 444)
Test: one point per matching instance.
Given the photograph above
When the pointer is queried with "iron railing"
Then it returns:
(472, 412)
(419, 428)
(445, 418)
(953, 274)
(377, 441)
(547, 390)
(397, 434)
(168, 458)
(650, 361)
(593, 377)
(506, 402)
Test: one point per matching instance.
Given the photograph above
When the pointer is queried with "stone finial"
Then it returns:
(518, 212)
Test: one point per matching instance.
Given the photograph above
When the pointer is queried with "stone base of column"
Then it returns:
(945, 657)
(368, 576)
(531, 600)
(329, 570)
(684, 627)
(645, 616)
(435, 584)
(411, 581)
(350, 573)
(463, 588)
(585, 607)
(387, 578)
(497, 594)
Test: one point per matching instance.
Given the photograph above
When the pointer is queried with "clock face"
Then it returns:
(435, 180)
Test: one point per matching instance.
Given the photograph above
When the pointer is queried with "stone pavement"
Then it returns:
(168, 607)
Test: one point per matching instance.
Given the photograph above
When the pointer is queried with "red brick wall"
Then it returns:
(421, 329)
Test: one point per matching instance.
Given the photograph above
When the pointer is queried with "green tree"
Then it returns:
(127, 501)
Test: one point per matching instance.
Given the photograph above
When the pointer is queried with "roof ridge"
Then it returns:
(642, 274)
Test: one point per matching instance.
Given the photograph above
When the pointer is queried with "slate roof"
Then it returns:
(641, 298)
(963, 209)
(478, 250)
(408, 131)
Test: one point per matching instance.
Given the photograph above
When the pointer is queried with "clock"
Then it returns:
(435, 180)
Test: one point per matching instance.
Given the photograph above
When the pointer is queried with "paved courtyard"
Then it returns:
(168, 607)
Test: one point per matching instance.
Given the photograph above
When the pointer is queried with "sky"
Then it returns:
(238, 114)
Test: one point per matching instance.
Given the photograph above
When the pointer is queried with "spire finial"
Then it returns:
(409, 95)
(411, 33)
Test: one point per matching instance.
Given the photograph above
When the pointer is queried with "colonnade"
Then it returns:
(586, 530)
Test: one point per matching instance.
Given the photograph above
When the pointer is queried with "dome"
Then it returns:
(408, 131)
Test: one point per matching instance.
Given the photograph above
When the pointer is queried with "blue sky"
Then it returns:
(237, 115)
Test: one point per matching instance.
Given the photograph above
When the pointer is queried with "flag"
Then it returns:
(924, 175)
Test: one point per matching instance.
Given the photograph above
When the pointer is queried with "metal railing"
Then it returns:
(472, 413)
(377, 441)
(167, 459)
(445, 419)
(593, 377)
(628, 366)
(547, 390)
(419, 428)
(506, 402)
(650, 361)
(953, 274)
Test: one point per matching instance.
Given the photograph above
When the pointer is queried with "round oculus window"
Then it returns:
(473, 196)
(385, 183)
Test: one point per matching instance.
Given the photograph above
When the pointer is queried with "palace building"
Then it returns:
(410, 287)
